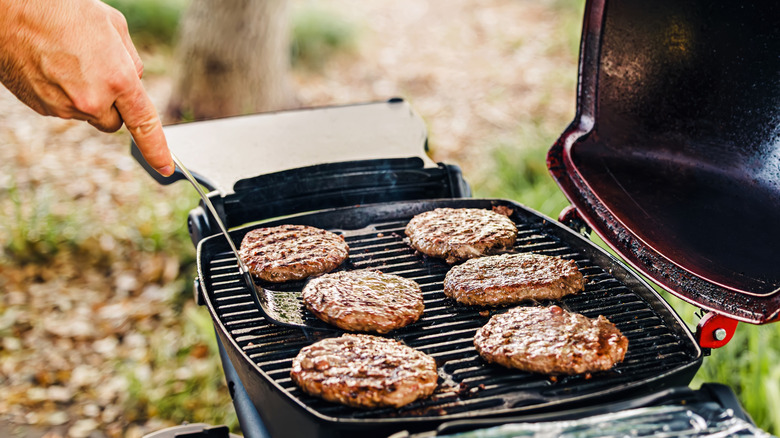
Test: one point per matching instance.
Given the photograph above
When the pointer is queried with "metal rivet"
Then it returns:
(719, 334)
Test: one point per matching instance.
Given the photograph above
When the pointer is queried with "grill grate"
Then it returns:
(467, 384)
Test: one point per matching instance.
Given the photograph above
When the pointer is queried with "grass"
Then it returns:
(319, 33)
(520, 173)
(37, 224)
(151, 22)
(32, 232)
(183, 379)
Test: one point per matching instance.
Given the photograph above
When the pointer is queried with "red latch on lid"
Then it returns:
(715, 330)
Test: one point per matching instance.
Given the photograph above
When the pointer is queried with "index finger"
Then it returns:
(143, 122)
(119, 22)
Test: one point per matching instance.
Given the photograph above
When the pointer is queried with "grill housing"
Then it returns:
(662, 352)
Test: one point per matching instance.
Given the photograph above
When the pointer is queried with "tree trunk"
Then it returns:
(233, 58)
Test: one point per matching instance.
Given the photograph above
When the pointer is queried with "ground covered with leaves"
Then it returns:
(99, 336)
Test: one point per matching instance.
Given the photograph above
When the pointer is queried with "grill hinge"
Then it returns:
(715, 330)
(571, 218)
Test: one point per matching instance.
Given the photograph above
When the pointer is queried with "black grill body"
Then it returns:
(662, 352)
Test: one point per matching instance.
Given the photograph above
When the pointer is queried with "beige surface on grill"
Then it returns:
(231, 149)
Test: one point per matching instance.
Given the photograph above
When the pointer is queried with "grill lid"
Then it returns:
(673, 157)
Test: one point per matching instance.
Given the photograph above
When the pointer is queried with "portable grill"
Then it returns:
(361, 171)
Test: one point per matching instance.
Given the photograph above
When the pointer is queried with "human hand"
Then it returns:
(74, 59)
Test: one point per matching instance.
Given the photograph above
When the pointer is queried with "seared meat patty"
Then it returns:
(512, 278)
(292, 252)
(365, 301)
(551, 340)
(457, 234)
(364, 371)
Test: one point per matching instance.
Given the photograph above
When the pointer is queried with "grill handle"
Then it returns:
(166, 180)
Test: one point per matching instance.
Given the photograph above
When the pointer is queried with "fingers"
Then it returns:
(109, 122)
(90, 71)
(136, 109)
(141, 119)
(119, 22)
(131, 50)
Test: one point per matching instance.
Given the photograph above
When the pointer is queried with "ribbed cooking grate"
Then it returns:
(467, 384)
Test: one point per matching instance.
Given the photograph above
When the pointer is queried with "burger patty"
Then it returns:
(512, 278)
(364, 371)
(550, 340)
(457, 234)
(364, 300)
(292, 252)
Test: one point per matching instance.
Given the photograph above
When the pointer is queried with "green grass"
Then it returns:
(183, 380)
(520, 173)
(37, 223)
(32, 232)
(151, 22)
(749, 363)
(318, 34)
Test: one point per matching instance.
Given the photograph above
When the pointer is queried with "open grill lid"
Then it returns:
(673, 157)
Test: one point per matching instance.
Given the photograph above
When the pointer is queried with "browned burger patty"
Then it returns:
(365, 301)
(364, 371)
(292, 252)
(457, 234)
(512, 278)
(551, 340)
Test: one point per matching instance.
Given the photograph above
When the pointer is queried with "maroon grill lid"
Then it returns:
(673, 157)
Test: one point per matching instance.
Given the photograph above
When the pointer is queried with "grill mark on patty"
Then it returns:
(512, 278)
(364, 371)
(551, 340)
(364, 300)
(458, 234)
(292, 252)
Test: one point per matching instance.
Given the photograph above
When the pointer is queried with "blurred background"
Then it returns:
(99, 334)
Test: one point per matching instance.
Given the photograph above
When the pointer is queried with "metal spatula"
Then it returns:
(283, 308)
